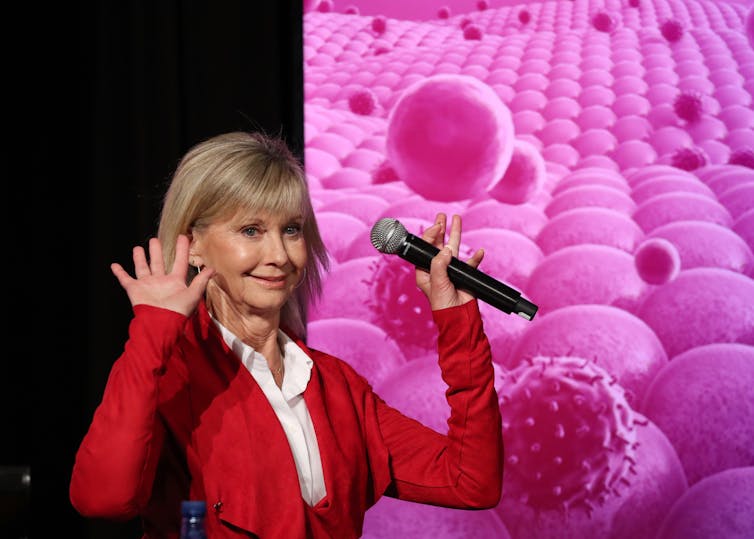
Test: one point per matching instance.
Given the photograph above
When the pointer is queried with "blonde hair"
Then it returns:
(244, 171)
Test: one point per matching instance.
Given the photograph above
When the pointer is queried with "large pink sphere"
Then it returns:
(524, 176)
(701, 306)
(612, 338)
(703, 402)
(720, 505)
(657, 261)
(449, 137)
(590, 225)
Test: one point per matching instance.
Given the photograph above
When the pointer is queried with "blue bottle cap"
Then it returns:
(193, 508)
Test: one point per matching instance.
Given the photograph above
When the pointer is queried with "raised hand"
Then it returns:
(152, 286)
(436, 285)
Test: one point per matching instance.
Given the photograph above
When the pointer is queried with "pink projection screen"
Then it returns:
(602, 152)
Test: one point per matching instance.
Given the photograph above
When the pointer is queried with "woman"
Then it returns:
(217, 397)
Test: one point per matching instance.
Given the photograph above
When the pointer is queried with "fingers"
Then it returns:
(155, 257)
(121, 274)
(141, 267)
(454, 238)
(476, 258)
(435, 234)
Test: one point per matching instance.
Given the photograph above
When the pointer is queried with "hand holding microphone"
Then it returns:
(390, 236)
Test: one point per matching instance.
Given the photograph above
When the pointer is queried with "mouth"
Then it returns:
(277, 281)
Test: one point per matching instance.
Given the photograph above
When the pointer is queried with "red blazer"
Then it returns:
(182, 418)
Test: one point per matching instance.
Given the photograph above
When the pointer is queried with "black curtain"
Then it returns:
(118, 92)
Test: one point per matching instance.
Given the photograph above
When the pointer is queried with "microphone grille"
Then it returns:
(388, 235)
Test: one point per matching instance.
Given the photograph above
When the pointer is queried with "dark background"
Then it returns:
(110, 96)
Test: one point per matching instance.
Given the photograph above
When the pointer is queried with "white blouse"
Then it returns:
(289, 405)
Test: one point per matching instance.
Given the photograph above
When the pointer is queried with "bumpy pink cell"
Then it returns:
(672, 30)
(612, 338)
(702, 401)
(379, 24)
(449, 137)
(603, 21)
(390, 518)
(523, 177)
(679, 206)
(472, 32)
(524, 16)
(583, 196)
(362, 102)
(569, 433)
(720, 505)
(703, 244)
(325, 6)
(443, 12)
(658, 482)
(594, 225)
(362, 345)
(657, 261)
(688, 106)
(701, 306)
(586, 274)
(743, 157)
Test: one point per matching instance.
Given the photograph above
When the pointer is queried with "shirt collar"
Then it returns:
(298, 365)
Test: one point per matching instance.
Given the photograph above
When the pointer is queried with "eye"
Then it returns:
(250, 231)
(293, 229)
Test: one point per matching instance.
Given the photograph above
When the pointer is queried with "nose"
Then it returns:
(275, 249)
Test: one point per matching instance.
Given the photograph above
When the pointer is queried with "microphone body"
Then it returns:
(389, 236)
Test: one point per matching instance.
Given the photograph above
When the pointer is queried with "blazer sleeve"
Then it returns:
(115, 464)
(463, 469)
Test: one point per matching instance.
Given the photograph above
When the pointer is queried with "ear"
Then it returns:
(195, 257)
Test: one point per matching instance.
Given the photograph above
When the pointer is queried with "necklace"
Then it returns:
(279, 370)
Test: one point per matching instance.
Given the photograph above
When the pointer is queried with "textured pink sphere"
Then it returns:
(703, 402)
(688, 106)
(672, 30)
(603, 21)
(443, 12)
(379, 24)
(720, 505)
(701, 306)
(449, 137)
(590, 225)
(657, 261)
(362, 102)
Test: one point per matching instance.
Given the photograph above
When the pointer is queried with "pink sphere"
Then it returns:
(390, 518)
(619, 342)
(593, 225)
(523, 177)
(345, 337)
(702, 244)
(702, 401)
(601, 196)
(701, 306)
(443, 12)
(344, 292)
(524, 16)
(720, 505)
(596, 274)
(679, 206)
(658, 481)
(657, 261)
(509, 256)
(449, 137)
(325, 6)
(689, 158)
(523, 218)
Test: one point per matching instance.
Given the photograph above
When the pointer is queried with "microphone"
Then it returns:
(390, 236)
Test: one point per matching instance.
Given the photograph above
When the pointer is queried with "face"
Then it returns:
(259, 259)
